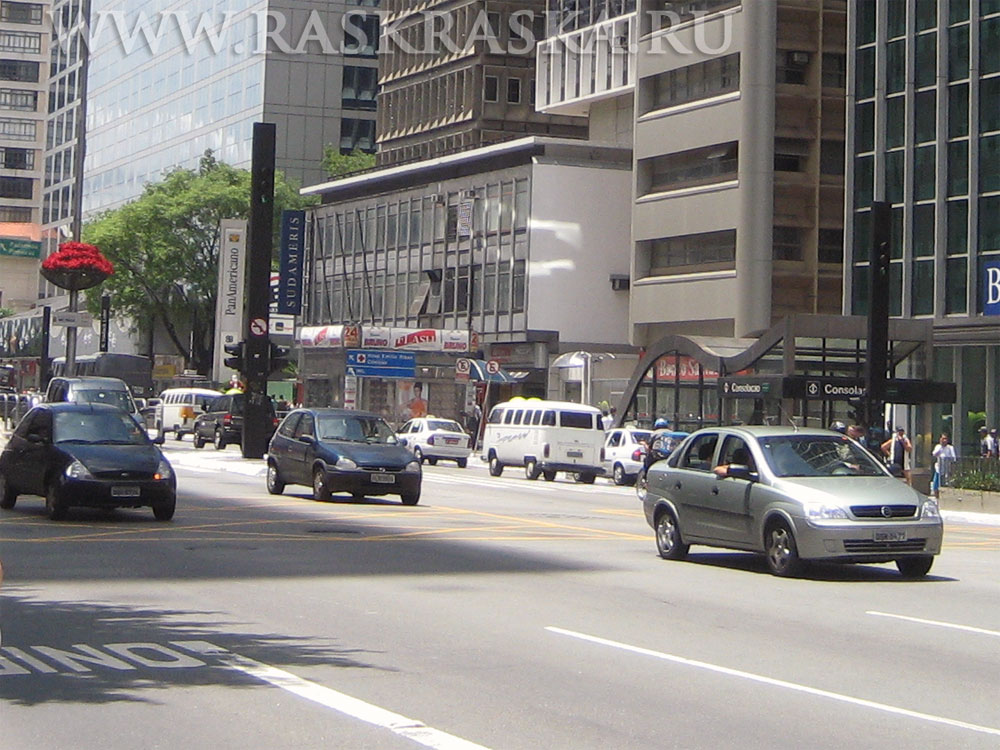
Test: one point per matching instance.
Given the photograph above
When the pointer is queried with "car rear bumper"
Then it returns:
(572, 468)
(445, 451)
(361, 482)
(98, 494)
(860, 542)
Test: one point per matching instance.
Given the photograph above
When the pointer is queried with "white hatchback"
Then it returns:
(431, 438)
(624, 450)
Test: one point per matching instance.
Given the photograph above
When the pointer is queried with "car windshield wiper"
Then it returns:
(77, 441)
(116, 442)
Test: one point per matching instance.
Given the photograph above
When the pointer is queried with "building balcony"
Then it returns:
(577, 69)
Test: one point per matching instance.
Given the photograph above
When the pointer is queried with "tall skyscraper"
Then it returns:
(24, 49)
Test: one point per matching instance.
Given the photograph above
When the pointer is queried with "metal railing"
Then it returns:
(13, 406)
(973, 473)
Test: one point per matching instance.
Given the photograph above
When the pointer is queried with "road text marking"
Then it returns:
(779, 683)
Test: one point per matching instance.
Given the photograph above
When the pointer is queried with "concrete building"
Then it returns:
(924, 135)
(738, 195)
(459, 74)
(153, 106)
(24, 54)
(496, 249)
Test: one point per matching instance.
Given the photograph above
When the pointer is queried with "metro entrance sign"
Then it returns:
(365, 363)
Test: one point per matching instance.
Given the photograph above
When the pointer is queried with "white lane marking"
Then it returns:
(780, 683)
(937, 623)
(411, 729)
(494, 483)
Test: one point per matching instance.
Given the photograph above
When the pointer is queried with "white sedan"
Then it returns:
(431, 439)
(624, 448)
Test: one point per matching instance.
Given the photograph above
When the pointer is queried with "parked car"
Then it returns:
(431, 438)
(93, 389)
(221, 423)
(791, 494)
(338, 450)
(624, 449)
(91, 455)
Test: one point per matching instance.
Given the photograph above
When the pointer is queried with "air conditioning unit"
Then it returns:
(620, 282)
(621, 41)
(468, 193)
(799, 58)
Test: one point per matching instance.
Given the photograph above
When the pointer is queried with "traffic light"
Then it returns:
(856, 410)
(277, 358)
(235, 362)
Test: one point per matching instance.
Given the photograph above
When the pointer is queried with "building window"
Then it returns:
(925, 63)
(15, 214)
(20, 41)
(17, 187)
(790, 154)
(864, 73)
(831, 157)
(694, 82)
(922, 288)
(989, 114)
(958, 228)
(793, 67)
(699, 166)
(989, 223)
(362, 37)
(989, 45)
(18, 100)
(357, 135)
(12, 12)
(835, 70)
(894, 176)
(925, 116)
(864, 118)
(681, 11)
(513, 90)
(958, 110)
(709, 251)
(923, 230)
(958, 53)
(360, 86)
(989, 163)
(831, 246)
(955, 280)
(17, 158)
(18, 130)
(19, 70)
(491, 88)
(958, 168)
(895, 58)
(787, 243)
(923, 173)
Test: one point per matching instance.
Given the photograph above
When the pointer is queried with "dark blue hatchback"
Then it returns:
(339, 450)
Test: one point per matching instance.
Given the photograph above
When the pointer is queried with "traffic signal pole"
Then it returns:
(256, 415)
(877, 361)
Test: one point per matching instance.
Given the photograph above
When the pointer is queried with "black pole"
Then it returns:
(44, 363)
(105, 323)
(256, 428)
(877, 361)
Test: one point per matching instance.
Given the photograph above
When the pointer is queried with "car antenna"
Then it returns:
(789, 417)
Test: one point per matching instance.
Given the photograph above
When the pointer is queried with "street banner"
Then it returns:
(991, 288)
(229, 304)
(293, 231)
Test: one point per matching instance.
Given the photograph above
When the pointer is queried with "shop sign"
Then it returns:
(415, 339)
(293, 225)
(750, 387)
(350, 392)
(519, 355)
(991, 288)
(823, 389)
(321, 336)
(17, 248)
(668, 365)
(352, 336)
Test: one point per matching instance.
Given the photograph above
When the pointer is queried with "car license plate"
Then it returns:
(451, 441)
(574, 454)
(124, 492)
(890, 536)
(383, 479)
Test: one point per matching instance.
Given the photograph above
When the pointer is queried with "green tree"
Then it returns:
(6, 312)
(337, 164)
(165, 249)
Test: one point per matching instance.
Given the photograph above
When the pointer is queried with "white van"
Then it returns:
(179, 407)
(545, 437)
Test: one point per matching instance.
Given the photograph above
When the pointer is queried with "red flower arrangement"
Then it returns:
(76, 266)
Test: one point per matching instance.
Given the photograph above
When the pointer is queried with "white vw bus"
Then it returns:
(179, 407)
(545, 437)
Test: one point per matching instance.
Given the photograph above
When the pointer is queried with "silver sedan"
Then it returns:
(792, 494)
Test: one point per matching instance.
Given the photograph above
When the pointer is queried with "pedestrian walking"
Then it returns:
(944, 455)
(898, 449)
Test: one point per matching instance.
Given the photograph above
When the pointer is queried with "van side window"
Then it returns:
(517, 416)
(549, 418)
(495, 416)
(508, 417)
(536, 416)
(579, 419)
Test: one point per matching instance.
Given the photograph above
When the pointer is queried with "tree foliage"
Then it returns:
(337, 164)
(165, 249)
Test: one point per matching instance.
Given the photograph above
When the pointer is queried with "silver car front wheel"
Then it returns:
(782, 554)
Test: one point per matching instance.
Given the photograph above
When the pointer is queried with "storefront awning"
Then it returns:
(478, 372)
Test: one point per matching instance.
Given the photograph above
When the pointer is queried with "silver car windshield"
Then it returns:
(818, 456)
(354, 429)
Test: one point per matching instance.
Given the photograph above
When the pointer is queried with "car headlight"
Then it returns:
(930, 509)
(77, 470)
(163, 470)
(825, 513)
(413, 467)
(345, 463)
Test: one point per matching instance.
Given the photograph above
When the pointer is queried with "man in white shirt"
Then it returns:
(944, 455)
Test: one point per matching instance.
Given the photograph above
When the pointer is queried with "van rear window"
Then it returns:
(579, 419)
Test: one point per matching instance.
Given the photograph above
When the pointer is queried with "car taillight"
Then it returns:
(637, 454)
(227, 420)
(430, 440)
(545, 450)
(274, 422)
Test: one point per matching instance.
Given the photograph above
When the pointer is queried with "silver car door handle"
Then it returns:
(677, 485)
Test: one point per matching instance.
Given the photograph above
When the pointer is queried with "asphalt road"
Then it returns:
(498, 613)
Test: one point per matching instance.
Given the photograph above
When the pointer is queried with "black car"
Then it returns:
(222, 421)
(338, 450)
(87, 455)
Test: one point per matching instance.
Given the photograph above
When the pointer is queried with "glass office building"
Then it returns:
(924, 135)
(169, 80)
